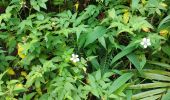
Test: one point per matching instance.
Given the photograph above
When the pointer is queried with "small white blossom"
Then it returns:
(74, 58)
(145, 42)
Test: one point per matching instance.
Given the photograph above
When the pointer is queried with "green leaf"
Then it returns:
(35, 5)
(40, 16)
(165, 20)
(95, 63)
(124, 52)
(149, 85)
(2, 93)
(155, 97)
(166, 96)
(42, 4)
(112, 13)
(135, 5)
(166, 49)
(95, 92)
(147, 93)
(142, 60)
(102, 41)
(164, 65)
(129, 94)
(98, 75)
(80, 29)
(28, 96)
(162, 72)
(133, 58)
(120, 82)
(120, 91)
(97, 33)
(154, 76)
(138, 22)
(92, 81)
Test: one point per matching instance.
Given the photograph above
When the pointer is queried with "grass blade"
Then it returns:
(148, 93)
(149, 85)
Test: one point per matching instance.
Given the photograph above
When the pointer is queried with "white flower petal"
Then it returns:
(145, 42)
(74, 60)
(142, 43)
(77, 59)
(145, 46)
(73, 55)
(148, 40)
(144, 39)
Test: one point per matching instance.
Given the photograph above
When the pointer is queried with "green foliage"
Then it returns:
(84, 49)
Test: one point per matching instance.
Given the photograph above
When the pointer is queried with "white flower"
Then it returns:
(145, 42)
(74, 58)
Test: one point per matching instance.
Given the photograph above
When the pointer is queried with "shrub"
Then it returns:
(87, 49)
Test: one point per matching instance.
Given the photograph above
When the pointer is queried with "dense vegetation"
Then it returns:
(84, 50)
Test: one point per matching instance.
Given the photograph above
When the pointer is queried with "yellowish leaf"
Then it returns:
(23, 73)
(143, 2)
(76, 6)
(145, 29)
(164, 32)
(163, 4)
(19, 85)
(39, 90)
(10, 71)
(126, 17)
(20, 51)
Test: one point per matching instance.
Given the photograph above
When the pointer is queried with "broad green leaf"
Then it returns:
(124, 52)
(112, 13)
(133, 58)
(135, 4)
(119, 82)
(102, 41)
(95, 92)
(40, 16)
(79, 30)
(28, 96)
(42, 4)
(138, 22)
(98, 75)
(92, 81)
(95, 63)
(35, 5)
(97, 33)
